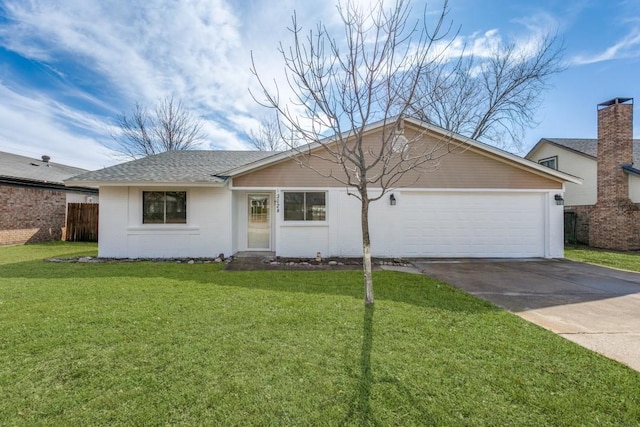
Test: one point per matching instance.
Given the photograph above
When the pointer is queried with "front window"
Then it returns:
(551, 162)
(164, 207)
(305, 206)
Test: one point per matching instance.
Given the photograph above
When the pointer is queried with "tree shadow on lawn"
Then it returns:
(362, 404)
(361, 410)
(411, 289)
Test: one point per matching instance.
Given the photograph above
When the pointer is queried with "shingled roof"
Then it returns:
(181, 166)
(29, 171)
(589, 147)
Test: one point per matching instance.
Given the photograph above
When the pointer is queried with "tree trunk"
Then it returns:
(366, 252)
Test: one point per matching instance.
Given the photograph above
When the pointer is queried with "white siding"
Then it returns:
(576, 165)
(206, 233)
(634, 188)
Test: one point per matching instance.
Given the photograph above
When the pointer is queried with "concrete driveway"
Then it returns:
(596, 307)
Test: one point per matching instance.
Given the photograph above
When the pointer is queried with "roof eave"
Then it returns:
(45, 185)
(630, 169)
(564, 147)
(73, 183)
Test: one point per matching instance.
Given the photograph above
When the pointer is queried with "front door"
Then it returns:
(259, 222)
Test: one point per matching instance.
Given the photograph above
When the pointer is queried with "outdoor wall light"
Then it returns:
(392, 200)
(559, 199)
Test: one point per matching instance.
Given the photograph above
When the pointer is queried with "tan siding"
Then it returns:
(462, 168)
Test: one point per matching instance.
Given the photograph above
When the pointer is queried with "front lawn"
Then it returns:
(621, 260)
(177, 344)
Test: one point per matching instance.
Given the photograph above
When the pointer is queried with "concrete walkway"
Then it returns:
(596, 307)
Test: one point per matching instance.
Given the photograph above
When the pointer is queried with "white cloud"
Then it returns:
(628, 47)
(145, 50)
(540, 23)
(32, 126)
(220, 138)
(478, 45)
(196, 50)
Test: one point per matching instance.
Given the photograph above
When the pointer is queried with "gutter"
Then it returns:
(44, 185)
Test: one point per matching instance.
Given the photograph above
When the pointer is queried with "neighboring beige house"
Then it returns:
(33, 198)
(610, 171)
(477, 201)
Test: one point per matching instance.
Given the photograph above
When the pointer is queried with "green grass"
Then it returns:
(177, 344)
(621, 260)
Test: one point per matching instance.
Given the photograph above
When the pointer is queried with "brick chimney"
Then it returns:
(613, 222)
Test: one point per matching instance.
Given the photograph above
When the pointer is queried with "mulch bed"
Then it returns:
(293, 264)
(250, 263)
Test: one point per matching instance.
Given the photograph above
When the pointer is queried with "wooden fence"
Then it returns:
(82, 222)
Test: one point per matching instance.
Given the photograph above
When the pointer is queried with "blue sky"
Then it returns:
(69, 67)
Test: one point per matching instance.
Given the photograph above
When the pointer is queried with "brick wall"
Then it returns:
(29, 215)
(613, 222)
(615, 148)
(615, 226)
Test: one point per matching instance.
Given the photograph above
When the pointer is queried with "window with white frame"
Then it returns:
(305, 205)
(550, 162)
(164, 207)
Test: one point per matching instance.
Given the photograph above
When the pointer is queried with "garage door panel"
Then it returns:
(473, 224)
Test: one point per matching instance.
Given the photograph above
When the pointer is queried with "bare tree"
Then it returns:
(268, 137)
(168, 127)
(342, 89)
(492, 99)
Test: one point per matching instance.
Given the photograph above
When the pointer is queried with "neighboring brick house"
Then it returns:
(33, 198)
(606, 207)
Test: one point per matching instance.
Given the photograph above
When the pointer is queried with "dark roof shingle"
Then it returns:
(189, 166)
(14, 166)
(590, 146)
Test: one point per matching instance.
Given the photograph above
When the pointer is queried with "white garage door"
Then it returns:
(472, 224)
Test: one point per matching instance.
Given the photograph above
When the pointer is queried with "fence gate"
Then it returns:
(82, 222)
(570, 221)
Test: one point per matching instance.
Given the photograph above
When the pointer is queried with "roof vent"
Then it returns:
(46, 158)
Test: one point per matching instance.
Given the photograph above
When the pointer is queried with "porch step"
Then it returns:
(254, 254)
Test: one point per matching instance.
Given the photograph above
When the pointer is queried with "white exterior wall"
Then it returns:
(340, 234)
(446, 223)
(112, 225)
(454, 226)
(554, 226)
(81, 198)
(576, 165)
(207, 233)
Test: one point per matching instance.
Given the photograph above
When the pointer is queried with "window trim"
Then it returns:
(304, 221)
(164, 223)
(548, 159)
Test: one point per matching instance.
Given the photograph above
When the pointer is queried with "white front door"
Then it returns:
(259, 222)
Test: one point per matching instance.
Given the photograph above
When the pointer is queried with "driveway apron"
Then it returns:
(596, 307)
